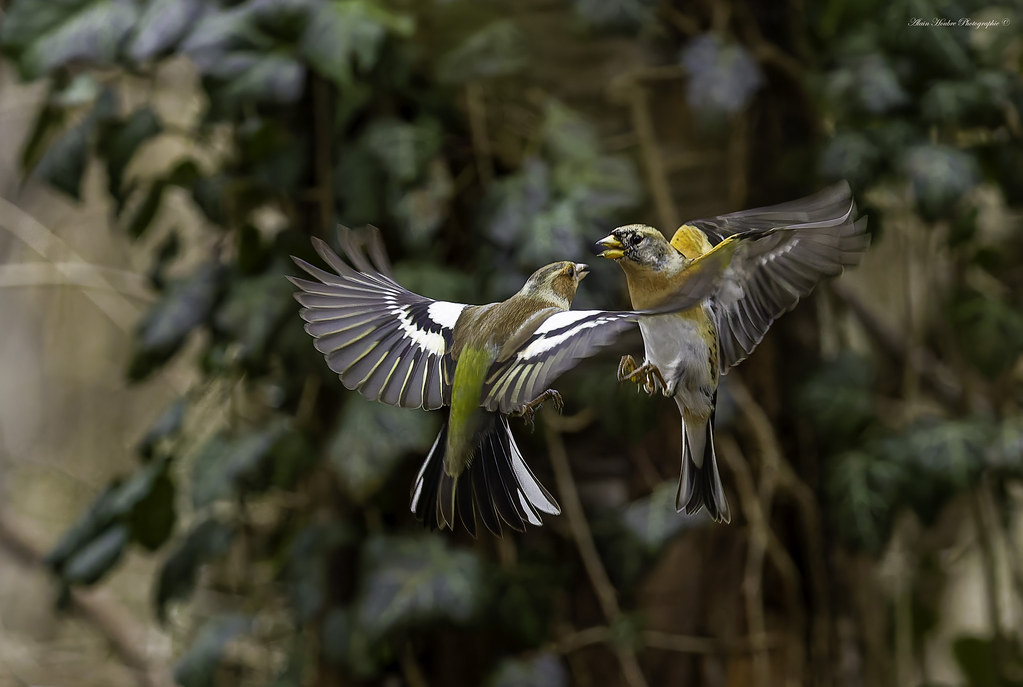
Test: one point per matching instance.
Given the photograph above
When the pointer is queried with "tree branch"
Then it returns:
(97, 608)
(583, 537)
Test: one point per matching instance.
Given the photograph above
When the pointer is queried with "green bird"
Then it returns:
(775, 255)
(485, 362)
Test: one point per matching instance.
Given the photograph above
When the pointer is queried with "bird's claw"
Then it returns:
(646, 375)
(528, 411)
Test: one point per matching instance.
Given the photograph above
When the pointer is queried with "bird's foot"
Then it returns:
(646, 375)
(528, 411)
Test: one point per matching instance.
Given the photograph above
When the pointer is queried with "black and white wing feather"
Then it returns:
(773, 267)
(829, 207)
(381, 339)
(555, 347)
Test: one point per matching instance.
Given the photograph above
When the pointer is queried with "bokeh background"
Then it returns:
(188, 495)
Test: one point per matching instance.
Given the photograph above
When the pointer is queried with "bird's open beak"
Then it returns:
(613, 247)
(581, 270)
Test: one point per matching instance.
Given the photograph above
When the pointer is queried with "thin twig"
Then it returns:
(482, 150)
(759, 536)
(650, 149)
(46, 243)
(96, 607)
(583, 537)
(942, 381)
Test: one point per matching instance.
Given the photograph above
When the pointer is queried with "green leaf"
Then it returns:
(542, 670)
(94, 560)
(404, 148)
(118, 144)
(653, 520)
(63, 164)
(347, 31)
(163, 23)
(407, 581)
(989, 331)
(371, 439)
(152, 520)
(246, 63)
(163, 329)
(495, 50)
(839, 399)
(307, 572)
(208, 540)
(43, 36)
(864, 491)
(425, 208)
(977, 661)
(100, 515)
(142, 215)
(225, 465)
(253, 310)
(166, 425)
(197, 668)
(45, 128)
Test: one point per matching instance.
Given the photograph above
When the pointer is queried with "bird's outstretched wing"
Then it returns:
(563, 339)
(380, 338)
(780, 254)
(826, 208)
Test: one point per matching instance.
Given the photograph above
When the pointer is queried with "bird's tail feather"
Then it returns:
(700, 483)
(497, 486)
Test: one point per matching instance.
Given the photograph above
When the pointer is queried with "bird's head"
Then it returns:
(557, 282)
(637, 246)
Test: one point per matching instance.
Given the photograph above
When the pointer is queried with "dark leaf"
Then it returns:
(166, 425)
(722, 76)
(542, 670)
(63, 163)
(43, 36)
(412, 580)
(615, 14)
(197, 668)
(864, 492)
(119, 143)
(349, 31)
(839, 399)
(163, 23)
(308, 566)
(152, 520)
(253, 309)
(652, 519)
(495, 50)
(226, 465)
(98, 518)
(163, 329)
(977, 659)
(208, 540)
(93, 561)
(940, 176)
(48, 122)
(369, 441)
(229, 46)
(404, 148)
(142, 215)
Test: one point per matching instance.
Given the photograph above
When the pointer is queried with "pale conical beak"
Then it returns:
(614, 248)
(581, 271)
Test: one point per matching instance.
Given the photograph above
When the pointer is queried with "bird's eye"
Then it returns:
(571, 271)
(636, 239)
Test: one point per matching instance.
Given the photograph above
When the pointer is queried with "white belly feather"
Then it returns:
(675, 346)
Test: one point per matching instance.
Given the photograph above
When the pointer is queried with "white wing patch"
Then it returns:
(445, 313)
(431, 341)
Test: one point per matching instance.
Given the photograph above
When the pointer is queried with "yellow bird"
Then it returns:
(776, 255)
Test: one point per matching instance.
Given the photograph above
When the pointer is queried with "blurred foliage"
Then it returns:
(361, 111)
